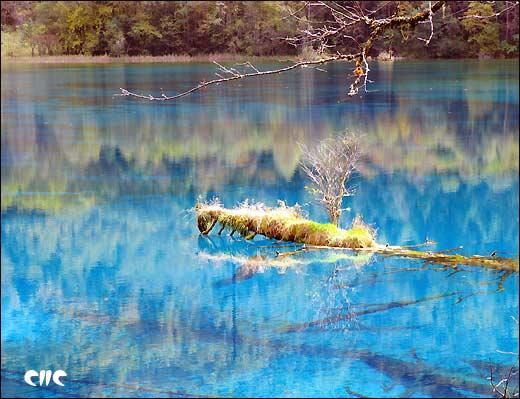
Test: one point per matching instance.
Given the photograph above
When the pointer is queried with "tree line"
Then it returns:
(117, 28)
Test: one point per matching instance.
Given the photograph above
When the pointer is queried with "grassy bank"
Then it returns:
(174, 58)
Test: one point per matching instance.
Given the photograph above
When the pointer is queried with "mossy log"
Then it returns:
(285, 223)
(282, 223)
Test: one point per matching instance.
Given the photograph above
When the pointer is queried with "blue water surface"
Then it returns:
(105, 276)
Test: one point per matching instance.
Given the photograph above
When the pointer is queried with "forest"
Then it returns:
(119, 28)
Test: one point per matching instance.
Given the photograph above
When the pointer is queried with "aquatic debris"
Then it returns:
(368, 329)
(452, 260)
(353, 394)
(413, 376)
(287, 224)
(352, 315)
(420, 377)
(281, 223)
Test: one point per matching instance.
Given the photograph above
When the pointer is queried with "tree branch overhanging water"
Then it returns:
(320, 37)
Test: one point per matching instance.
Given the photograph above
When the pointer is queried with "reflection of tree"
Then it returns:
(72, 267)
(449, 210)
(135, 296)
(333, 297)
(471, 130)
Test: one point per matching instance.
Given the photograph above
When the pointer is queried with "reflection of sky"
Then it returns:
(120, 291)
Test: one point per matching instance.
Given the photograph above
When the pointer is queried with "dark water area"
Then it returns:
(105, 276)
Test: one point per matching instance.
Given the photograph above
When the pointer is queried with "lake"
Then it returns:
(105, 276)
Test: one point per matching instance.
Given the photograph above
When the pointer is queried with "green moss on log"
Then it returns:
(283, 223)
(287, 224)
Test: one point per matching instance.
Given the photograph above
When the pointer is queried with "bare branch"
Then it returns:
(502, 387)
(507, 353)
(430, 20)
(295, 13)
(236, 76)
(329, 167)
(344, 15)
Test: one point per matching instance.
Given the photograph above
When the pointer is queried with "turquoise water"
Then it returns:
(105, 276)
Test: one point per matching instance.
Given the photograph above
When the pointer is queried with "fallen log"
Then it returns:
(355, 315)
(282, 223)
(287, 224)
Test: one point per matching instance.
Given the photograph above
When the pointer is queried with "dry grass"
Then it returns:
(103, 59)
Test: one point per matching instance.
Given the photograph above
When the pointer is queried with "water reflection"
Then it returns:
(57, 151)
(135, 304)
(105, 276)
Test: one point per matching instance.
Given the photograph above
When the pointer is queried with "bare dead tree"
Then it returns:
(329, 168)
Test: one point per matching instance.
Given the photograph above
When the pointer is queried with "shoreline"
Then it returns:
(171, 59)
(183, 58)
